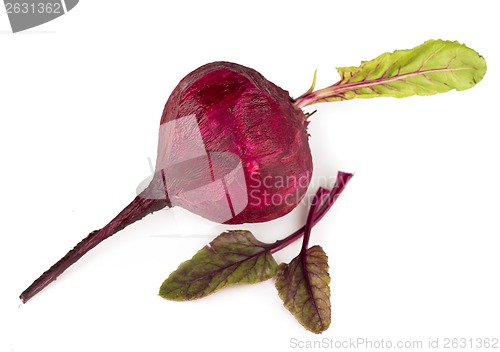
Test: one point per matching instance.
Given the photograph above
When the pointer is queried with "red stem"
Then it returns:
(141, 206)
(318, 199)
(342, 180)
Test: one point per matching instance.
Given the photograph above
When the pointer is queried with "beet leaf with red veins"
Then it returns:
(237, 257)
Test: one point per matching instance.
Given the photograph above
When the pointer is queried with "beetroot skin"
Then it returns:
(239, 112)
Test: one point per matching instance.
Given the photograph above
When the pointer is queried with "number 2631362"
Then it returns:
(32, 8)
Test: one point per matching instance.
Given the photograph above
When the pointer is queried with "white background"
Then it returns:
(413, 241)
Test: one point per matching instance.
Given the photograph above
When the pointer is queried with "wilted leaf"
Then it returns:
(303, 285)
(234, 257)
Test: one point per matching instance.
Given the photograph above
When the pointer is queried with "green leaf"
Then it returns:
(234, 257)
(303, 285)
(436, 66)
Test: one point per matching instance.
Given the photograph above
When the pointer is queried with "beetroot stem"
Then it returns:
(310, 98)
(318, 199)
(136, 210)
(342, 180)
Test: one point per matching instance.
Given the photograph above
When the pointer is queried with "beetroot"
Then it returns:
(233, 147)
(239, 114)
